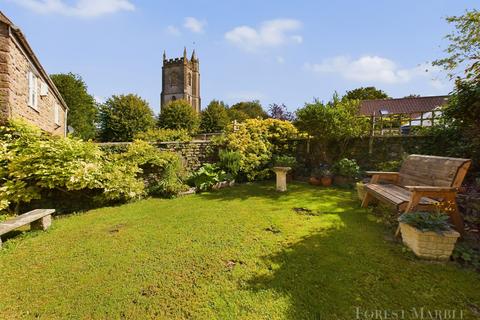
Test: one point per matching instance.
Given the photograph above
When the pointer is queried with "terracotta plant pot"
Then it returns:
(314, 181)
(429, 244)
(341, 181)
(326, 181)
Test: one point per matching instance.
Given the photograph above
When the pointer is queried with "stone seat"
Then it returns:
(39, 219)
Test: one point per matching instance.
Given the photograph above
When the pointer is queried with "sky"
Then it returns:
(276, 51)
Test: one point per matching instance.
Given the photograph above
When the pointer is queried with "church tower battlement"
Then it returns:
(181, 80)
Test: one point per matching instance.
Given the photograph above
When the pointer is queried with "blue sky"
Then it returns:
(275, 51)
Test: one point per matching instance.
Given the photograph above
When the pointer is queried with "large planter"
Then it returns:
(361, 190)
(429, 244)
(342, 181)
(281, 173)
(326, 181)
(314, 181)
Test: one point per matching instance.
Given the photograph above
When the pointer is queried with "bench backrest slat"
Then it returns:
(24, 219)
(422, 170)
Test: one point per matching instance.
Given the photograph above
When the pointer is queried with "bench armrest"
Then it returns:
(430, 189)
(381, 173)
(377, 176)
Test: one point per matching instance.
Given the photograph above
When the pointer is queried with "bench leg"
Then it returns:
(366, 200)
(414, 201)
(42, 224)
(455, 214)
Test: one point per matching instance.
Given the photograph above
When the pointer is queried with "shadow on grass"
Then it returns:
(331, 273)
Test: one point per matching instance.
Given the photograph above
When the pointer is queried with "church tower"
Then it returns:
(181, 80)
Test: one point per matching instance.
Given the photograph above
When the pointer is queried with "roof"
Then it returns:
(402, 105)
(25, 46)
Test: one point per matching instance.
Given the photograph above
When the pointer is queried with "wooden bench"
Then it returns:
(423, 183)
(39, 219)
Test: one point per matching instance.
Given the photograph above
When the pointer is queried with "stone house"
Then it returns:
(26, 90)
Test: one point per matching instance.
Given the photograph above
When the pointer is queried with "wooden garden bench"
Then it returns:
(423, 183)
(39, 219)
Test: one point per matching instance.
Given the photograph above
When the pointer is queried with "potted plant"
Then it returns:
(345, 170)
(326, 177)
(428, 234)
(315, 177)
(285, 162)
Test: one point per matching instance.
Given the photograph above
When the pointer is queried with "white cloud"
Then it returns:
(172, 30)
(81, 8)
(373, 69)
(280, 59)
(195, 25)
(272, 33)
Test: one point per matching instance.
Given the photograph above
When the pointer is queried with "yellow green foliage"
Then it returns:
(257, 141)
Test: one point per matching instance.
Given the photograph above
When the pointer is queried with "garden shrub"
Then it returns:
(33, 162)
(207, 176)
(257, 141)
(164, 135)
(37, 168)
(229, 161)
(427, 221)
(161, 171)
(346, 168)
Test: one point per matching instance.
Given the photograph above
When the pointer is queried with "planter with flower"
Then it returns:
(326, 177)
(345, 172)
(428, 234)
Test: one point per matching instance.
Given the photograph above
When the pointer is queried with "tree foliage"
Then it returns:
(162, 135)
(177, 115)
(83, 111)
(280, 112)
(123, 116)
(333, 122)
(247, 110)
(365, 93)
(215, 117)
(464, 45)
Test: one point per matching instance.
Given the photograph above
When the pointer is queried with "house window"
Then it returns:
(32, 90)
(190, 79)
(56, 113)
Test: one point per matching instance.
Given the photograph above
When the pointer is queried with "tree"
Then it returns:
(279, 111)
(82, 107)
(179, 114)
(123, 116)
(365, 93)
(215, 117)
(464, 47)
(247, 110)
(334, 122)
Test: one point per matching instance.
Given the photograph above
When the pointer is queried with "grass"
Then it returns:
(240, 253)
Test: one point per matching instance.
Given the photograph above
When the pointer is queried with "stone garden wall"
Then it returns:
(368, 153)
(193, 153)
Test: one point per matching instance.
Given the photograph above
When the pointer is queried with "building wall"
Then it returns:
(4, 54)
(15, 80)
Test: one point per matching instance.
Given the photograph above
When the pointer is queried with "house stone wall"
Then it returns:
(14, 68)
(4, 54)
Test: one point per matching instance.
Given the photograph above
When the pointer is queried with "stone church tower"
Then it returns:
(181, 80)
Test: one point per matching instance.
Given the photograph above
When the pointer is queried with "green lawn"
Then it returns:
(240, 253)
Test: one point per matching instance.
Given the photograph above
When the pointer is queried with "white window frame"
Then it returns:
(56, 113)
(32, 90)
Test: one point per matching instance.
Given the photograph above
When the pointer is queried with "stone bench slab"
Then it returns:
(29, 217)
